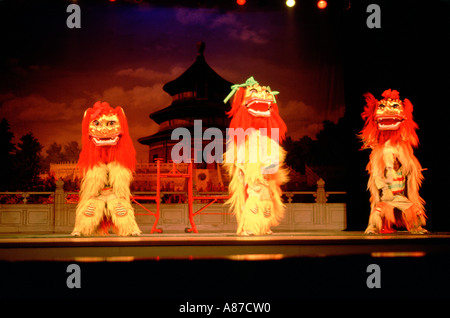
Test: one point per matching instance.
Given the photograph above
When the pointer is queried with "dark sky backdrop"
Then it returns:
(125, 52)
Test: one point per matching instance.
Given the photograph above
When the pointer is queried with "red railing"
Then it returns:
(174, 173)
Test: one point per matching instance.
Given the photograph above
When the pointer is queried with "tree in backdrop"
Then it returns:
(326, 149)
(71, 151)
(22, 163)
(57, 153)
(299, 153)
(27, 162)
(7, 150)
(326, 154)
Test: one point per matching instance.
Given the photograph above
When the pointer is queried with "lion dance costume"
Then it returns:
(395, 174)
(107, 162)
(254, 159)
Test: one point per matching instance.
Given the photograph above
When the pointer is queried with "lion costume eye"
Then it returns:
(96, 122)
(111, 123)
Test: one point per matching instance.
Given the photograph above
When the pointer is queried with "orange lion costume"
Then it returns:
(107, 162)
(395, 174)
(254, 159)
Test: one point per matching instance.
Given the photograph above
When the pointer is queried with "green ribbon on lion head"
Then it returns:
(249, 82)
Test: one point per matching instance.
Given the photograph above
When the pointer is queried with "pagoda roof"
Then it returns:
(166, 135)
(200, 78)
(197, 93)
(196, 109)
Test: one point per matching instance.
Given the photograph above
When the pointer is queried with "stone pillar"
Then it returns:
(320, 215)
(321, 196)
(60, 200)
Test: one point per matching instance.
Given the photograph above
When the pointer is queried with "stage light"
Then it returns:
(240, 2)
(322, 4)
(290, 3)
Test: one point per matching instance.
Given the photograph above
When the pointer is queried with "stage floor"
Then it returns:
(38, 247)
(284, 269)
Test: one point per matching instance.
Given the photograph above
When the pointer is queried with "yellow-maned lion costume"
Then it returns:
(254, 159)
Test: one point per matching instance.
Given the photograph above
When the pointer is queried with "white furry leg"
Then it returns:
(254, 219)
(88, 217)
(121, 214)
(120, 211)
(89, 212)
(93, 182)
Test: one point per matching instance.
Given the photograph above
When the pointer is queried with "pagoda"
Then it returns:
(197, 94)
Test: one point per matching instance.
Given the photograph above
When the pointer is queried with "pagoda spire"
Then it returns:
(200, 48)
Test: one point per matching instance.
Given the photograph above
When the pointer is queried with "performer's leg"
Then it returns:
(413, 217)
(375, 222)
(381, 219)
(268, 212)
(236, 201)
(258, 214)
(277, 207)
(89, 215)
(93, 182)
(119, 209)
(121, 214)
(89, 211)
(252, 220)
(120, 179)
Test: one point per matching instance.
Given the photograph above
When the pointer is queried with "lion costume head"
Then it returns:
(388, 119)
(255, 106)
(105, 137)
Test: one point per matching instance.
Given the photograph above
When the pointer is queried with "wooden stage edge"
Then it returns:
(63, 247)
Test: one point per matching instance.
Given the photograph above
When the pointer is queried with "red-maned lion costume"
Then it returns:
(254, 159)
(395, 174)
(107, 162)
